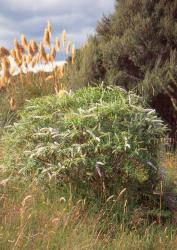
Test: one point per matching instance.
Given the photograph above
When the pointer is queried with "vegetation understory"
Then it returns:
(86, 167)
(37, 212)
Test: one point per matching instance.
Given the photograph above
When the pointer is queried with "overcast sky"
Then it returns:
(78, 17)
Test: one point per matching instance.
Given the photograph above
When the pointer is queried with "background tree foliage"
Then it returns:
(136, 48)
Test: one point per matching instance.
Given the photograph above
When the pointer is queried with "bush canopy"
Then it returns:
(97, 139)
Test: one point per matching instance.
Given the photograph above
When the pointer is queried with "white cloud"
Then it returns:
(78, 17)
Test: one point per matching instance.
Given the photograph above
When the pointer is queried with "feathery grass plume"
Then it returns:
(6, 70)
(73, 54)
(49, 57)
(58, 45)
(37, 56)
(19, 56)
(18, 46)
(13, 53)
(21, 49)
(29, 59)
(62, 93)
(33, 62)
(42, 53)
(12, 71)
(12, 103)
(68, 47)
(30, 49)
(24, 41)
(2, 83)
(4, 52)
(5, 62)
(61, 71)
(64, 37)
(46, 38)
(53, 53)
(50, 77)
(49, 28)
(6, 75)
(24, 58)
(18, 62)
(34, 46)
(56, 88)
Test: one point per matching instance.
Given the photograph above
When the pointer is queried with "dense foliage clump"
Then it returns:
(99, 140)
(136, 48)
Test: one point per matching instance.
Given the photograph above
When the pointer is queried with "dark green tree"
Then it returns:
(136, 48)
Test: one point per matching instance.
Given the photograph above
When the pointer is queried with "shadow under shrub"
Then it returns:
(98, 140)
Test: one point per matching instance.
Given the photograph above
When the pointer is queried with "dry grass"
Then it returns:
(29, 54)
(169, 163)
(34, 218)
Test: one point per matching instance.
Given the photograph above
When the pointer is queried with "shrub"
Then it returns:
(98, 140)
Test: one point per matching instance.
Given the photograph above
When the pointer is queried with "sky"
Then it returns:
(29, 17)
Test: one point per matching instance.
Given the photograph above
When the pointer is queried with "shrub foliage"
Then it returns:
(98, 139)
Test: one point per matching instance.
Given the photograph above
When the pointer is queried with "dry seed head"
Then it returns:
(30, 50)
(33, 63)
(21, 49)
(6, 74)
(49, 58)
(34, 46)
(49, 28)
(24, 58)
(19, 56)
(57, 44)
(13, 53)
(62, 93)
(12, 71)
(26, 200)
(29, 59)
(61, 71)
(2, 83)
(64, 37)
(37, 58)
(12, 103)
(5, 63)
(18, 46)
(53, 53)
(24, 41)
(6, 69)
(50, 77)
(4, 52)
(73, 54)
(46, 38)
(18, 61)
(56, 88)
(42, 53)
(68, 47)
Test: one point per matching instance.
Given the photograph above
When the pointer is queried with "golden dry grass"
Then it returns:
(35, 218)
(29, 54)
